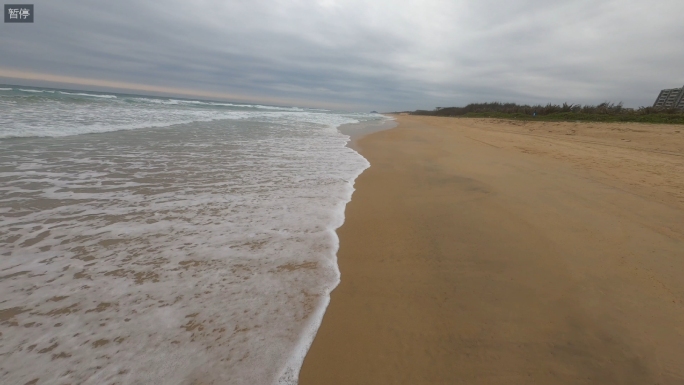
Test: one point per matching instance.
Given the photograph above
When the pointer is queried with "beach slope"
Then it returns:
(477, 251)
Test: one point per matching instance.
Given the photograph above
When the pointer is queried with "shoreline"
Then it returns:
(471, 253)
(356, 131)
(290, 371)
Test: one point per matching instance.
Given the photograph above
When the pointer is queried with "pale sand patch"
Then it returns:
(477, 251)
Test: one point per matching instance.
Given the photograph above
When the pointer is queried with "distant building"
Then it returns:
(672, 98)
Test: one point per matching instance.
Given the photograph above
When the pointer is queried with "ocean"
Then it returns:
(151, 240)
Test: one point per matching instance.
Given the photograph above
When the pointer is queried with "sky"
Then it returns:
(354, 55)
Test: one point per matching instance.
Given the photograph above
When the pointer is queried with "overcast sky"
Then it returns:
(356, 55)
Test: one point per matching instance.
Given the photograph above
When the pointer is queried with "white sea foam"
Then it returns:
(37, 91)
(155, 101)
(200, 252)
(59, 115)
(197, 102)
(5, 89)
(91, 95)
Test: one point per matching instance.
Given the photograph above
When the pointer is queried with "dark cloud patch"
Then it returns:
(389, 55)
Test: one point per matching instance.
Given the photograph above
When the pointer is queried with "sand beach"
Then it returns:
(480, 251)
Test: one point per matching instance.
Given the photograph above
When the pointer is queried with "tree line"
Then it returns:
(606, 111)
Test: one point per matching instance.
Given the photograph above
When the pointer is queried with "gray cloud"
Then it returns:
(388, 55)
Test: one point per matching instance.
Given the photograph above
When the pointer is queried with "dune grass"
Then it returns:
(604, 112)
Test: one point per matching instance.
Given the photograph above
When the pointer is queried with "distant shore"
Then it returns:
(481, 251)
(604, 112)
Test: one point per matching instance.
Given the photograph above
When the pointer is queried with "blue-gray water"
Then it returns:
(165, 241)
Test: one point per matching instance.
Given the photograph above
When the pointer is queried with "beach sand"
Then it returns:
(479, 251)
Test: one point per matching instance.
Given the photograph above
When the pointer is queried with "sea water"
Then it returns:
(148, 240)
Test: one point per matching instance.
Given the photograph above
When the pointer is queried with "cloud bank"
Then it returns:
(384, 55)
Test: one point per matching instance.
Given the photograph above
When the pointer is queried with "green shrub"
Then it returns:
(604, 112)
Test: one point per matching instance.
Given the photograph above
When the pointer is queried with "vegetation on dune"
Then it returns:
(604, 112)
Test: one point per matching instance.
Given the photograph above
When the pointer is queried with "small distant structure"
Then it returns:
(670, 98)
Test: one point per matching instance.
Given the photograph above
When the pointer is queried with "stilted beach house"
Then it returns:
(671, 98)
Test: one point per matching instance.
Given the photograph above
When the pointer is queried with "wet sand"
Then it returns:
(478, 251)
(357, 131)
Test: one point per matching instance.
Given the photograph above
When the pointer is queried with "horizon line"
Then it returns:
(173, 91)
